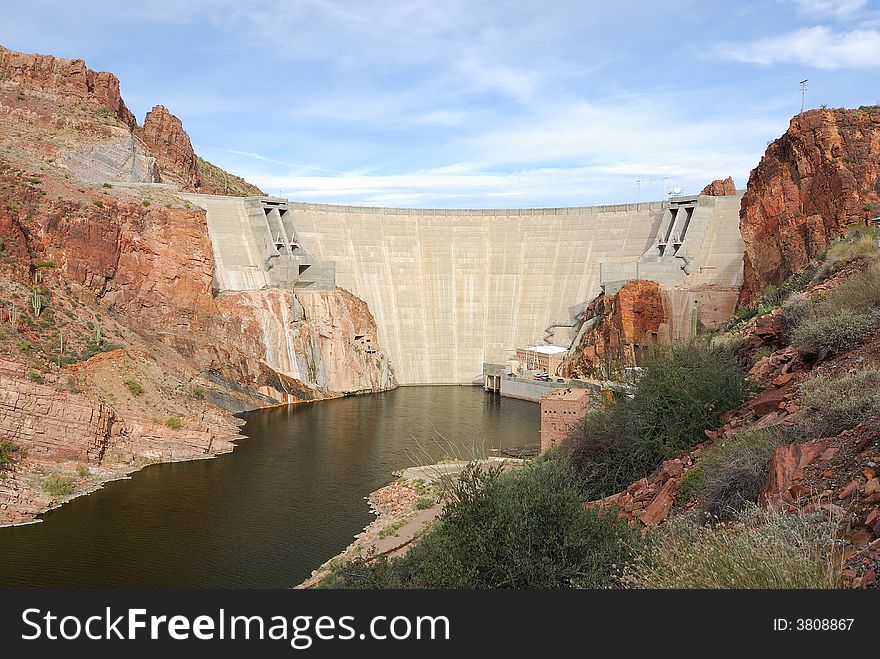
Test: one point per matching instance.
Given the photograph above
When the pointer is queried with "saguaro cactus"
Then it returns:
(36, 298)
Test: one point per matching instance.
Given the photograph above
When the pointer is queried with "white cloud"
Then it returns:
(559, 151)
(834, 8)
(563, 186)
(819, 47)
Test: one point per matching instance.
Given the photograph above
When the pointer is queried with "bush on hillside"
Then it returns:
(523, 529)
(837, 404)
(735, 473)
(834, 332)
(134, 387)
(795, 283)
(775, 296)
(759, 549)
(685, 389)
(8, 452)
(796, 311)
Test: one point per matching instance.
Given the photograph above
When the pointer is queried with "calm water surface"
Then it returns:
(287, 499)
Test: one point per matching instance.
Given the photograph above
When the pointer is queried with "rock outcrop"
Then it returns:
(323, 338)
(814, 182)
(650, 500)
(38, 417)
(167, 141)
(616, 329)
(720, 188)
(69, 78)
(121, 158)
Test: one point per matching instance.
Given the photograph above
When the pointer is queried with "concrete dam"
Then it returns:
(451, 289)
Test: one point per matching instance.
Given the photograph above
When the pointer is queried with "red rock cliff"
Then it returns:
(68, 78)
(171, 147)
(814, 182)
(720, 188)
(618, 328)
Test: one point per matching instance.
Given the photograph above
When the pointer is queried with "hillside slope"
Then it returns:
(114, 352)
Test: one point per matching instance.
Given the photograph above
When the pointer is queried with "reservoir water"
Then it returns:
(288, 498)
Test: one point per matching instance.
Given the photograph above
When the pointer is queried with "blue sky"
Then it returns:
(468, 103)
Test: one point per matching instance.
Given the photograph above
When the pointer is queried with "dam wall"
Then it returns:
(452, 289)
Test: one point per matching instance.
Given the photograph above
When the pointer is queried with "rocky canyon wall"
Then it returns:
(814, 182)
(67, 78)
(115, 352)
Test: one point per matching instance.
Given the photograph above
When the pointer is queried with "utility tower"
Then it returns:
(803, 93)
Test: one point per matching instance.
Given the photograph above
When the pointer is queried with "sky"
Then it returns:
(471, 103)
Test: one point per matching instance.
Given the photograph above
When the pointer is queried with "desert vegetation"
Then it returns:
(527, 528)
(756, 549)
(685, 389)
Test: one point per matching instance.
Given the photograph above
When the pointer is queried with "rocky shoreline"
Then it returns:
(405, 510)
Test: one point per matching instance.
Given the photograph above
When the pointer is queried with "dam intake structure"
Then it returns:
(451, 289)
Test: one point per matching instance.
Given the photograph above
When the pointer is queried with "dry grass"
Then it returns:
(859, 241)
(860, 294)
(837, 404)
(759, 549)
(735, 473)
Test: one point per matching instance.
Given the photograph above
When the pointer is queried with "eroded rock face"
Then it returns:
(121, 158)
(68, 78)
(165, 138)
(619, 327)
(720, 188)
(814, 182)
(37, 416)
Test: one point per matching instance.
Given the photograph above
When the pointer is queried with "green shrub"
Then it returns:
(523, 529)
(776, 296)
(691, 485)
(8, 451)
(37, 377)
(424, 503)
(174, 423)
(735, 473)
(58, 485)
(684, 389)
(25, 346)
(82, 471)
(837, 404)
(833, 333)
(197, 391)
(145, 202)
(106, 185)
(759, 549)
(134, 387)
(795, 311)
